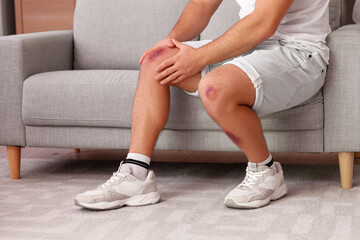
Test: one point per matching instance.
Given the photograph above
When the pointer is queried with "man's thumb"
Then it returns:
(170, 44)
(177, 43)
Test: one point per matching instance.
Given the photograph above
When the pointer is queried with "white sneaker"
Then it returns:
(261, 184)
(121, 189)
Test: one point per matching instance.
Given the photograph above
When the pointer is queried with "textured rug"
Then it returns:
(40, 205)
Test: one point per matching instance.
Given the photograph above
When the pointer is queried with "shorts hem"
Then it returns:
(255, 78)
(204, 71)
(194, 94)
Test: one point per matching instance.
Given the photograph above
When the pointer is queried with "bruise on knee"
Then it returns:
(233, 138)
(155, 54)
(211, 92)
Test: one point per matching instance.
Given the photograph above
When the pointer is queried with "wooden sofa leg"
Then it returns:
(14, 156)
(346, 164)
(76, 150)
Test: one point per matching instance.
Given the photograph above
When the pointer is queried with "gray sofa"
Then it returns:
(74, 89)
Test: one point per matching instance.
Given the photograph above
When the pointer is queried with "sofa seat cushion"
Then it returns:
(103, 98)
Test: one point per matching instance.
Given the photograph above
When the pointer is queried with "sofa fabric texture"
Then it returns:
(119, 138)
(117, 39)
(341, 102)
(91, 98)
(22, 56)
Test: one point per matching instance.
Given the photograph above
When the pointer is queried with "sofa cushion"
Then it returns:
(228, 14)
(79, 98)
(103, 98)
(113, 34)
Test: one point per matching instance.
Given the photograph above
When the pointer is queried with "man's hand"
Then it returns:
(165, 42)
(184, 64)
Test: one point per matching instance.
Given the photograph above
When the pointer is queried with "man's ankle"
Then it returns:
(268, 161)
(139, 165)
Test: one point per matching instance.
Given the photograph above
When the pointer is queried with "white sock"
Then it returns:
(136, 170)
(268, 160)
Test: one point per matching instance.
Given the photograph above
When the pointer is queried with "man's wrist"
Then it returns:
(178, 36)
(203, 56)
(172, 35)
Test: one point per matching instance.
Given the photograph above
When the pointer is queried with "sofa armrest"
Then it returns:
(342, 91)
(20, 57)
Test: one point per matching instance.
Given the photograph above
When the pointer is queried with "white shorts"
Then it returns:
(284, 74)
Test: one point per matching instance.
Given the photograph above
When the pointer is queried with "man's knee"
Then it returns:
(208, 89)
(211, 96)
(155, 54)
(158, 55)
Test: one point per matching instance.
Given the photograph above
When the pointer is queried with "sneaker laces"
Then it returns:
(113, 179)
(250, 178)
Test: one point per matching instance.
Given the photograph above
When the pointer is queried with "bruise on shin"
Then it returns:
(155, 53)
(211, 92)
(233, 138)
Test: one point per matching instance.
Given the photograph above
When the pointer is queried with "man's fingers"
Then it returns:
(177, 43)
(165, 73)
(177, 80)
(167, 63)
(170, 78)
(170, 44)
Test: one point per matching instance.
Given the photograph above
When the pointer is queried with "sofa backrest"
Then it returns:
(356, 12)
(113, 34)
(335, 13)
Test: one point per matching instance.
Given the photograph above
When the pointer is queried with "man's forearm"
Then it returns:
(240, 38)
(194, 19)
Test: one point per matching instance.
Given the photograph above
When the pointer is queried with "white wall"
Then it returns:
(7, 17)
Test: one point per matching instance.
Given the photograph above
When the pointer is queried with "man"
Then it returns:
(272, 59)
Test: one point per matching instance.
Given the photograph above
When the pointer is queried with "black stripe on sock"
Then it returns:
(269, 164)
(136, 162)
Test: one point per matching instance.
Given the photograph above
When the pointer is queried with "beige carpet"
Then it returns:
(40, 205)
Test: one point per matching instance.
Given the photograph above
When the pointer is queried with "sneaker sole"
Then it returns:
(279, 193)
(139, 200)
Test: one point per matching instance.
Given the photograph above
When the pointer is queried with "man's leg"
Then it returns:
(151, 110)
(150, 113)
(151, 103)
(228, 95)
